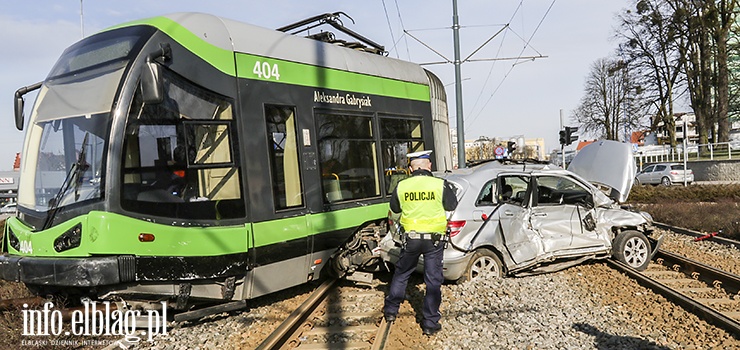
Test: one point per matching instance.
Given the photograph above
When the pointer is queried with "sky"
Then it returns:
(501, 98)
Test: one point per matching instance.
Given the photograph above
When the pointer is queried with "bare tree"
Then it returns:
(733, 63)
(650, 44)
(684, 45)
(724, 13)
(706, 25)
(696, 54)
(610, 103)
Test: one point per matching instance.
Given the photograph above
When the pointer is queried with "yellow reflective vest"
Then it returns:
(420, 198)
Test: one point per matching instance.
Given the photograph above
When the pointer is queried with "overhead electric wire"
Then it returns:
(390, 28)
(514, 64)
(498, 52)
(400, 20)
(490, 71)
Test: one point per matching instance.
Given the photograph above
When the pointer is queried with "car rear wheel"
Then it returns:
(483, 262)
(633, 249)
(665, 181)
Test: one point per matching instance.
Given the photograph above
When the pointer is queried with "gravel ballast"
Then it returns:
(590, 306)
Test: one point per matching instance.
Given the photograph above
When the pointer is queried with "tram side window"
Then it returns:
(286, 179)
(399, 136)
(180, 157)
(348, 157)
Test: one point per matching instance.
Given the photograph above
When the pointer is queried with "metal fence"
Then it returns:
(666, 153)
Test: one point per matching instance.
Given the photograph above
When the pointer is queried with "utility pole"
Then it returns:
(458, 80)
(458, 89)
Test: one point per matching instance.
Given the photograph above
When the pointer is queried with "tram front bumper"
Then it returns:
(67, 272)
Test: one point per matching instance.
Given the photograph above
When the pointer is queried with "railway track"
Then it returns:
(17, 303)
(710, 293)
(334, 317)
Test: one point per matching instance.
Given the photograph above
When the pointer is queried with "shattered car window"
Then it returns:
(514, 189)
(560, 190)
(485, 197)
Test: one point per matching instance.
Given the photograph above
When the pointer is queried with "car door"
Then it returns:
(644, 175)
(560, 206)
(521, 242)
(657, 173)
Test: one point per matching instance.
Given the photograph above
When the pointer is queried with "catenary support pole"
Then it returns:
(458, 89)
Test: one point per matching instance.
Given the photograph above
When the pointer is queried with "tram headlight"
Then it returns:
(69, 239)
(13, 240)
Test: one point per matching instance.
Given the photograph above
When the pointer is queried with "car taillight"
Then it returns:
(455, 227)
(674, 172)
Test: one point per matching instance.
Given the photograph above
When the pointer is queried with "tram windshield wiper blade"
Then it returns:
(81, 166)
(75, 172)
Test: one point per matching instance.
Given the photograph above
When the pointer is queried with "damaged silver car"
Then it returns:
(520, 218)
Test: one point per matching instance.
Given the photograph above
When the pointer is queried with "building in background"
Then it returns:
(9, 182)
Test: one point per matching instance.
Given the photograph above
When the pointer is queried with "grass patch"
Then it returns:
(707, 208)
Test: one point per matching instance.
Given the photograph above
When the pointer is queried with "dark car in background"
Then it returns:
(664, 174)
(519, 218)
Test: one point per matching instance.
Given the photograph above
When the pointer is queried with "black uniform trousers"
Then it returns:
(433, 279)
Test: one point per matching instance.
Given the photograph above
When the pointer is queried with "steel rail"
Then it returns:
(381, 338)
(282, 334)
(708, 274)
(703, 311)
(10, 304)
(688, 232)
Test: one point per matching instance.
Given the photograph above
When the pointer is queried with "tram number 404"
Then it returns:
(26, 247)
(265, 70)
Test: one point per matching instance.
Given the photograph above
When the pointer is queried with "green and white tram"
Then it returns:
(192, 156)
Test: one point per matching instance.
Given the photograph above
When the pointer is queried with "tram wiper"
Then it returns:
(81, 167)
(75, 172)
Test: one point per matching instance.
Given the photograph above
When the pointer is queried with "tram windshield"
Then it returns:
(69, 127)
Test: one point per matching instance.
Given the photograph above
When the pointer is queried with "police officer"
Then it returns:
(422, 199)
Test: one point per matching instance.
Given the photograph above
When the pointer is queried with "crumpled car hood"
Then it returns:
(607, 163)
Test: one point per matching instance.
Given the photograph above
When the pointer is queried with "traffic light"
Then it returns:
(562, 137)
(511, 147)
(569, 137)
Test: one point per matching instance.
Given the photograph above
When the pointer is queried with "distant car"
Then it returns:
(525, 218)
(664, 174)
(9, 208)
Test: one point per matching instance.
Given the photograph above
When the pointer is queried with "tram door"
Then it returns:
(284, 244)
